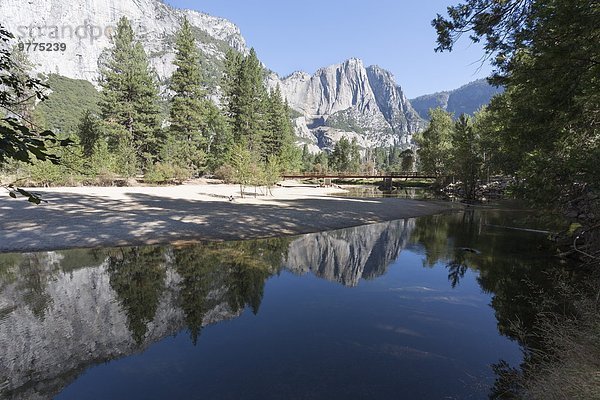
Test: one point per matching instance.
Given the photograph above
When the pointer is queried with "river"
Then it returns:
(417, 308)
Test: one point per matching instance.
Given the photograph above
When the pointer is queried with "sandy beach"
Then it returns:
(84, 217)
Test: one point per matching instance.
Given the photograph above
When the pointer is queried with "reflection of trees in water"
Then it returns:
(137, 276)
(239, 268)
(515, 267)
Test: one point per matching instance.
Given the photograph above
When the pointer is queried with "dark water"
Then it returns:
(414, 309)
(372, 191)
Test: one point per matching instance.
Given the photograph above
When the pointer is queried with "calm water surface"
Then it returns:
(414, 309)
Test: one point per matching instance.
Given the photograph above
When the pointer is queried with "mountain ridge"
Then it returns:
(466, 99)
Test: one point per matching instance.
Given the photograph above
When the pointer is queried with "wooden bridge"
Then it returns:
(352, 175)
(386, 177)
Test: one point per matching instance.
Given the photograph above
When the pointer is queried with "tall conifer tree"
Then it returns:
(188, 105)
(249, 124)
(230, 83)
(130, 101)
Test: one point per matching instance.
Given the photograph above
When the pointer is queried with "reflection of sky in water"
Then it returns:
(405, 334)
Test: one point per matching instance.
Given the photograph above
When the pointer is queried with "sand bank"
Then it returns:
(120, 216)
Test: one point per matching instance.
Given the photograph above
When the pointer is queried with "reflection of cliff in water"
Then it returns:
(348, 255)
(62, 312)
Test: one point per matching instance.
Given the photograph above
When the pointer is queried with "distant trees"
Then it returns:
(461, 149)
(466, 155)
(345, 156)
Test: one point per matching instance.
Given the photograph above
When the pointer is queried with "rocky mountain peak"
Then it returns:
(353, 101)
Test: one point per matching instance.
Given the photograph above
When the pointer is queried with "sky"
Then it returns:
(397, 35)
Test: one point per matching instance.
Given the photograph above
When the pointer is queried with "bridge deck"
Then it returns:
(399, 175)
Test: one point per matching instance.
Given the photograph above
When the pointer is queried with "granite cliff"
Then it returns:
(350, 100)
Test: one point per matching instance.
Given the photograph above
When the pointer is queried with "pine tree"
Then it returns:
(89, 132)
(130, 100)
(188, 105)
(259, 120)
(250, 122)
(434, 142)
(230, 83)
(220, 137)
(279, 127)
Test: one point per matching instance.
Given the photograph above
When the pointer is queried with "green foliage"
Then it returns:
(19, 141)
(272, 172)
(545, 131)
(407, 160)
(67, 103)
(161, 172)
(249, 123)
(137, 276)
(259, 120)
(345, 156)
(89, 131)
(130, 101)
(243, 162)
(546, 53)
(220, 137)
(466, 155)
(308, 159)
(279, 127)
(103, 165)
(127, 138)
(321, 163)
(230, 83)
(182, 154)
(434, 143)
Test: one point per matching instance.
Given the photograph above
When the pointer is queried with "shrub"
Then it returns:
(166, 173)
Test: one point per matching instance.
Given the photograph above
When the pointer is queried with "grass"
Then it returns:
(572, 370)
(565, 362)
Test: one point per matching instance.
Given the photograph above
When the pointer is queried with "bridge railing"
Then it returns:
(399, 174)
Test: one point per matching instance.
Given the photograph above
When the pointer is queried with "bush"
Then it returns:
(226, 173)
(167, 173)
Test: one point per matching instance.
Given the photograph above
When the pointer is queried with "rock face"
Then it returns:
(349, 255)
(467, 99)
(353, 101)
(85, 27)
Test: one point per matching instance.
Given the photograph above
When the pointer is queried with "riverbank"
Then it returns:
(86, 217)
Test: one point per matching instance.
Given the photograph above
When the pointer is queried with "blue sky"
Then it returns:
(310, 34)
